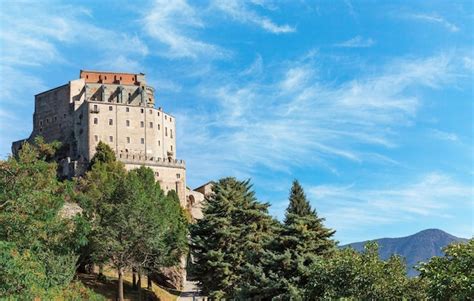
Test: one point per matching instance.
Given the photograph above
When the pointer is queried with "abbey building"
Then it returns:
(118, 109)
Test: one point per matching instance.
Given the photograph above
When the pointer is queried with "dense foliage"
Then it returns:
(126, 221)
(451, 277)
(38, 248)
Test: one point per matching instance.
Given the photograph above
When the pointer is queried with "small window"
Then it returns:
(142, 124)
(111, 121)
(47, 120)
(151, 125)
(171, 147)
(151, 111)
(127, 109)
(171, 133)
(166, 117)
(105, 77)
(41, 129)
(171, 119)
(141, 110)
(158, 113)
(142, 140)
(127, 122)
(158, 126)
(157, 174)
(159, 142)
(95, 108)
(178, 176)
(111, 138)
(96, 138)
(128, 139)
(110, 108)
(55, 118)
(41, 122)
(120, 78)
(96, 121)
(87, 76)
(166, 131)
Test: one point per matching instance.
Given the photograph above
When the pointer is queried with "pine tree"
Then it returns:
(302, 240)
(299, 205)
(228, 241)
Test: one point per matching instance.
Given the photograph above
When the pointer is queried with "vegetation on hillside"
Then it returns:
(126, 221)
(239, 251)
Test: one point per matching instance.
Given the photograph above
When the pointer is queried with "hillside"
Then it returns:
(415, 248)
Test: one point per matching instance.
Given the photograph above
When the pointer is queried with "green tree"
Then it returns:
(299, 205)
(451, 277)
(33, 235)
(103, 153)
(361, 276)
(228, 241)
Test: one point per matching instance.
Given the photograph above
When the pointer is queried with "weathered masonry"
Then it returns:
(115, 108)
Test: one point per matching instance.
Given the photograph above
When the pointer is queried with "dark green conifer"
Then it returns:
(230, 239)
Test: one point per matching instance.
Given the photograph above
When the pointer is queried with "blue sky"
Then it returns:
(368, 103)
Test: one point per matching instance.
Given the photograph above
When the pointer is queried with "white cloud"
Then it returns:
(357, 42)
(431, 195)
(171, 22)
(434, 18)
(293, 118)
(240, 12)
(442, 135)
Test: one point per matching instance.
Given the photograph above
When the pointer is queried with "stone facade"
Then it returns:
(118, 109)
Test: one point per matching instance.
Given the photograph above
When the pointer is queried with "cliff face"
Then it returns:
(419, 247)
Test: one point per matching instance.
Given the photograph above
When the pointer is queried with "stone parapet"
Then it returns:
(150, 160)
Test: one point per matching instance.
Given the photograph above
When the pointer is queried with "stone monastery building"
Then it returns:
(118, 109)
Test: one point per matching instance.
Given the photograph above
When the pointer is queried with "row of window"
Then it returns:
(54, 119)
(142, 124)
(127, 109)
(178, 176)
(142, 140)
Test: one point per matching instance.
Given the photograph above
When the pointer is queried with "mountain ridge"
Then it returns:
(415, 248)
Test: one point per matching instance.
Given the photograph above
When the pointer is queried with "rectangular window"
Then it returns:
(142, 124)
(128, 139)
(159, 142)
(158, 126)
(111, 121)
(96, 121)
(110, 108)
(166, 117)
(157, 174)
(95, 108)
(142, 140)
(151, 111)
(111, 138)
(127, 109)
(127, 122)
(96, 138)
(171, 119)
(171, 133)
(55, 118)
(41, 122)
(141, 110)
(151, 125)
(158, 113)
(166, 131)
(178, 175)
(171, 148)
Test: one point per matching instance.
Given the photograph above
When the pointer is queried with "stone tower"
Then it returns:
(115, 108)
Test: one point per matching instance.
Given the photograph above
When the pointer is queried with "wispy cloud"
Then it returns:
(171, 23)
(292, 117)
(240, 11)
(432, 194)
(357, 42)
(434, 18)
(442, 135)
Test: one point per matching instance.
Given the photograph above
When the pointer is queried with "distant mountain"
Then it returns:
(415, 248)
